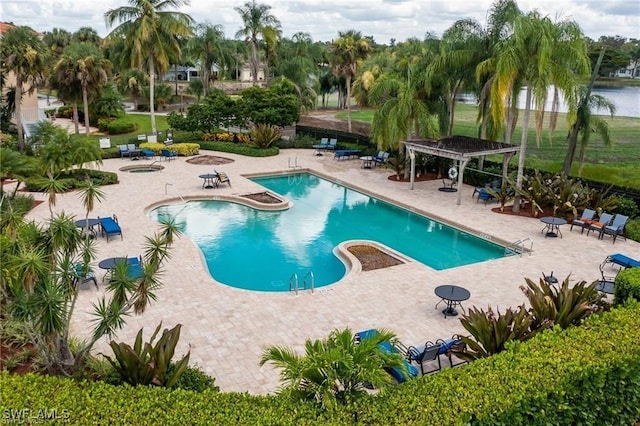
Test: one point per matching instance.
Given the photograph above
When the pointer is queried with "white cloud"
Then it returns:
(383, 19)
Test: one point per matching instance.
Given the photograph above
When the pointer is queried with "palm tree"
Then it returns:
(208, 47)
(25, 55)
(87, 35)
(258, 22)
(90, 70)
(347, 51)
(151, 35)
(541, 53)
(64, 80)
(335, 370)
(132, 83)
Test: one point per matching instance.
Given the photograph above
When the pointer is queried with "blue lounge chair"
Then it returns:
(82, 276)
(147, 153)
(386, 346)
(616, 228)
(484, 195)
(615, 259)
(585, 220)
(110, 226)
(333, 144)
(429, 352)
(123, 150)
(169, 155)
(324, 142)
(134, 267)
(345, 153)
(598, 225)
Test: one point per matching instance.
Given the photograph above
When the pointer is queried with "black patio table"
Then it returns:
(210, 180)
(110, 264)
(135, 154)
(552, 226)
(88, 223)
(452, 295)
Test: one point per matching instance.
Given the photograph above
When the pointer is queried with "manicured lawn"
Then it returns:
(619, 164)
(143, 122)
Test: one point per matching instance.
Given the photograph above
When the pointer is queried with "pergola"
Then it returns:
(461, 149)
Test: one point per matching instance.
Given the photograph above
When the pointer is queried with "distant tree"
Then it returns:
(208, 47)
(87, 35)
(264, 106)
(56, 40)
(25, 55)
(132, 83)
(151, 36)
(258, 21)
(347, 51)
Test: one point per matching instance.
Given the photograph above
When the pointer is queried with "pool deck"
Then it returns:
(226, 329)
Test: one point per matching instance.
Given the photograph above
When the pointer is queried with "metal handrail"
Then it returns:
(166, 185)
(518, 247)
(313, 281)
(293, 283)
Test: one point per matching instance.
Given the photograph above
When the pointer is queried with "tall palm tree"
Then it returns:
(541, 53)
(132, 83)
(208, 47)
(25, 55)
(298, 61)
(151, 34)
(347, 51)
(258, 21)
(87, 35)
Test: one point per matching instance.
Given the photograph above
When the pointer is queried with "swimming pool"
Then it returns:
(260, 250)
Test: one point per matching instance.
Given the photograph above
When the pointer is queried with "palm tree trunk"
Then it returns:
(85, 103)
(254, 62)
(18, 111)
(348, 103)
(75, 117)
(583, 148)
(523, 146)
(175, 76)
(152, 85)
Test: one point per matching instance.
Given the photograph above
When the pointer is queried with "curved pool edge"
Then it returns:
(232, 198)
(352, 263)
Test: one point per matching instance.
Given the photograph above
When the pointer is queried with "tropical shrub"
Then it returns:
(73, 179)
(627, 285)
(632, 230)
(491, 331)
(226, 137)
(182, 149)
(120, 127)
(263, 135)
(628, 207)
(562, 305)
(148, 363)
(193, 379)
(336, 370)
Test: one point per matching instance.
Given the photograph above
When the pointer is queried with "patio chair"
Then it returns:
(484, 195)
(550, 279)
(222, 178)
(598, 225)
(123, 150)
(110, 226)
(134, 267)
(82, 276)
(333, 145)
(147, 153)
(381, 158)
(324, 143)
(451, 347)
(429, 352)
(616, 228)
(585, 220)
(168, 155)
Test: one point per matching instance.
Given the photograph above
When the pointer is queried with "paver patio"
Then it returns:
(227, 328)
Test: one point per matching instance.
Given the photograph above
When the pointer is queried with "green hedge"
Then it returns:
(74, 179)
(238, 148)
(627, 285)
(181, 149)
(632, 230)
(583, 375)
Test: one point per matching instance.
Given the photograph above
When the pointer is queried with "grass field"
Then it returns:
(143, 121)
(619, 164)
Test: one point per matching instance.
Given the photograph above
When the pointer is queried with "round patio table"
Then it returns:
(367, 161)
(209, 180)
(552, 226)
(88, 223)
(452, 295)
(110, 264)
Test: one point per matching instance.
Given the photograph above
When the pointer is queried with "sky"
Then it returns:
(323, 19)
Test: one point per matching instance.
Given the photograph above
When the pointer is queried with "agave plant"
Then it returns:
(536, 190)
(562, 305)
(148, 364)
(505, 194)
(491, 332)
(263, 135)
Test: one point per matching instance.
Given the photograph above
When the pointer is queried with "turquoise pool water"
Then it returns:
(260, 250)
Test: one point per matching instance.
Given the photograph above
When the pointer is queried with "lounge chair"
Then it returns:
(616, 228)
(345, 153)
(134, 267)
(484, 195)
(333, 145)
(168, 155)
(147, 153)
(606, 284)
(82, 276)
(222, 178)
(386, 346)
(598, 225)
(110, 226)
(585, 220)
(429, 352)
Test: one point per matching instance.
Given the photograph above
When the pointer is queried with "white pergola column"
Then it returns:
(412, 156)
(462, 164)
